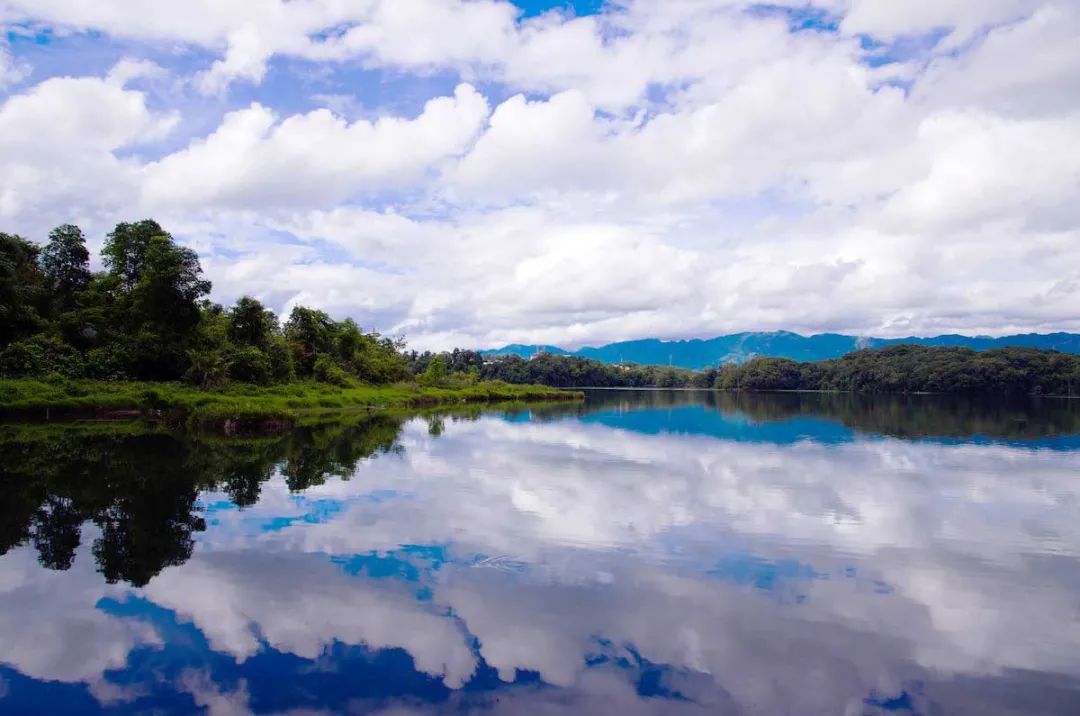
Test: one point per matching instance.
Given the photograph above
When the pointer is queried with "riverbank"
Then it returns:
(239, 403)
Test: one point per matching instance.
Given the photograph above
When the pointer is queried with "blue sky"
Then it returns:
(578, 7)
(480, 173)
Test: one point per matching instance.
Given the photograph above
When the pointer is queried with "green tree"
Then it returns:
(65, 261)
(251, 324)
(281, 360)
(435, 373)
(248, 364)
(21, 288)
(164, 305)
(124, 253)
(309, 333)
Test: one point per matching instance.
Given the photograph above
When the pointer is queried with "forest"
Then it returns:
(915, 369)
(146, 317)
(561, 371)
(896, 369)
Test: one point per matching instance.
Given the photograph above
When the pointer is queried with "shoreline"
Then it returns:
(810, 391)
(242, 407)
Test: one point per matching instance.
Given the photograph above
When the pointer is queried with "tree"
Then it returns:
(165, 308)
(435, 373)
(124, 253)
(309, 334)
(65, 262)
(251, 324)
(21, 288)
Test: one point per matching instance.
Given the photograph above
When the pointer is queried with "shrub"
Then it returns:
(208, 369)
(327, 371)
(249, 365)
(282, 369)
(435, 374)
(39, 356)
(108, 362)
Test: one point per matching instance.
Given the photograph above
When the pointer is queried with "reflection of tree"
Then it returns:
(149, 521)
(312, 454)
(57, 531)
(18, 506)
(140, 487)
(910, 417)
(919, 416)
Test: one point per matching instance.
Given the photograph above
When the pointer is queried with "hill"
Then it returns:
(701, 353)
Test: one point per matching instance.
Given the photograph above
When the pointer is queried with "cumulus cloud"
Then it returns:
(252, 160)
(660, 168)
(60, 143)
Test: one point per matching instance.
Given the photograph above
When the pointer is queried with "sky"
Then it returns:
(474, 172)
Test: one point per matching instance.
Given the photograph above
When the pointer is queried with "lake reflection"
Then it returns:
(645, 552)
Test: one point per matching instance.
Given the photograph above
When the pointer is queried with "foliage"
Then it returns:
(896, 369)
(435, 373)
(65, 262)
(250, 324)
(228, 401)
(327, 371)
(463, 366)
(39, 356)
(249, 365)
(916, 369)
(21, 288)
(146, 317)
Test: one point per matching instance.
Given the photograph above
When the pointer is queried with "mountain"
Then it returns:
(525, 351)
(700, 353)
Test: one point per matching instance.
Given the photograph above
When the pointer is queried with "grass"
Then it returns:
(240, 402)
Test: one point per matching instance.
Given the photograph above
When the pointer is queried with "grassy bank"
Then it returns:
(239, 402)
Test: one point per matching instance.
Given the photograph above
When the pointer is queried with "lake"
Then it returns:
(641, 553)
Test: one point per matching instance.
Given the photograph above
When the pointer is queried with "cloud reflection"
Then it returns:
(575, 566)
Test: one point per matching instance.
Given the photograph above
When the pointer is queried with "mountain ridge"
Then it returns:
(698, 353)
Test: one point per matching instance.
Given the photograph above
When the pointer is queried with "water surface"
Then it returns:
(643, 553)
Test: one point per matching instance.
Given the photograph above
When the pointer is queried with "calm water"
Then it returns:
(644, 553)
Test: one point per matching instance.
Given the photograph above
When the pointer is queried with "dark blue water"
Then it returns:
(645, 553)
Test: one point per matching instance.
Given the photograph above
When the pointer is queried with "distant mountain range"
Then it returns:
(700, 353)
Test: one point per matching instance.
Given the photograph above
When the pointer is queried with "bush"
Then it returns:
(249, 365)
(327, 371)
(40, 356)
(435, 374)
(282, 369)
(109, 362)
(208, 369)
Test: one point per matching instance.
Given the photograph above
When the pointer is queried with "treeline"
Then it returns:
(896, 369)
(915, 369)
(560, 371)
(147, 317)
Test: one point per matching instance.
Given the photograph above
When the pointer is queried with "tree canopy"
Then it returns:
(147, 317)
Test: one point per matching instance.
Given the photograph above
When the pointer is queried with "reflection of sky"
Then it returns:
(592, 565)
(695, 420)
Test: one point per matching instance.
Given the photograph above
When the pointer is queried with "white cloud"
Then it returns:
(889, 19)
(59, 144)
(11, 71)
(253, 160)
(1030, 68)
(667, 168)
